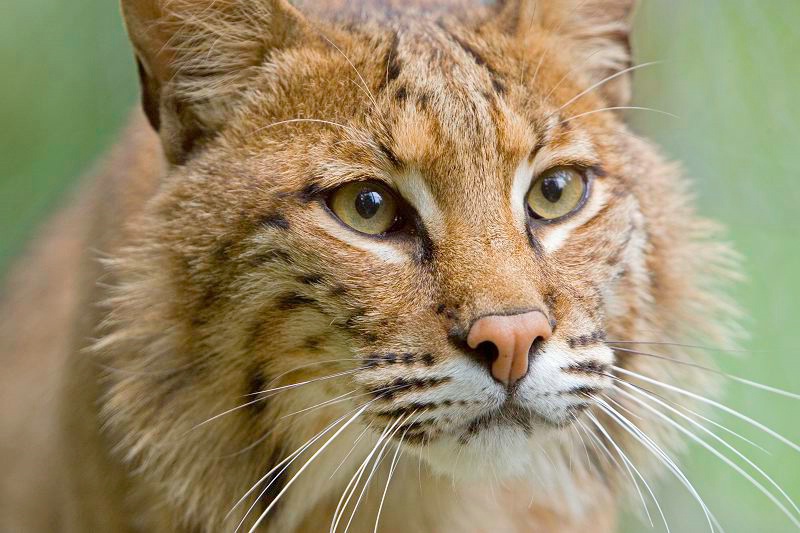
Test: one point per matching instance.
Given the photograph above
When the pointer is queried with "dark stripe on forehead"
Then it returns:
(497, 84)
(393, 65)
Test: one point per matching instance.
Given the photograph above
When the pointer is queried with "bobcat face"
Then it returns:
(430, 225)
(460, 164)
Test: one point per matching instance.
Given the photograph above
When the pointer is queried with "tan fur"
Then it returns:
(199, 267)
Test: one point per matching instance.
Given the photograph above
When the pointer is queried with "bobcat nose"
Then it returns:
(512, 337)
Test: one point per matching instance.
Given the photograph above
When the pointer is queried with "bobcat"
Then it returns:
(362, 265)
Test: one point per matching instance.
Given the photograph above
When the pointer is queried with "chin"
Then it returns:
(495, 453)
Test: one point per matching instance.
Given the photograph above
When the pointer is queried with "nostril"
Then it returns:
(487, 352)
(536, 347)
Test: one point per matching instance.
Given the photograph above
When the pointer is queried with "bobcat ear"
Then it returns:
(597, 32)
(195, 57)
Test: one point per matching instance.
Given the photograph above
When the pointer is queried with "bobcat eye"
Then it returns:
(366, 206)
(557, 193)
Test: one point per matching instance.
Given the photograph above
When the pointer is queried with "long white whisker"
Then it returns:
(749, 382)
(301, 367)
(262, 398)
(619, 108)
(306, 465)
(338, 399)
(690, 411)
(708, 401)
(302, 383)
(351, 487)
(680, 345)
(284, 463)
(306, 412)
(375, 464)
(602, 82)
(620, 467)
(719, 455)
(352, 449)
(395, 461)
(657, 451)
(585, 449)
(628, 461)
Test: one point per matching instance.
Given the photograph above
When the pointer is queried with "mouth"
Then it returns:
(510, 415)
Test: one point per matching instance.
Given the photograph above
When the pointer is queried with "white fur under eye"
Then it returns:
(554, 236)
(387, 251)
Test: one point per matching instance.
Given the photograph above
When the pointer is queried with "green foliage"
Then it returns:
(730, 72)
(68, 84)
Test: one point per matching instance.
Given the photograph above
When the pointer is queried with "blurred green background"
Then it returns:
(731, 72)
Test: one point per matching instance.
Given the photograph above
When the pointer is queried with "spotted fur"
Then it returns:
(232, 301)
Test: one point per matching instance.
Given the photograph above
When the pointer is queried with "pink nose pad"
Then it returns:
(513, 336)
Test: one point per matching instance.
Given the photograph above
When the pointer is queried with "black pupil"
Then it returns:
(368, 203)
(553, 187)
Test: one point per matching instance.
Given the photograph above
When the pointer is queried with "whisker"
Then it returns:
(531, 20)
(658, 452)
(262, 398)
(258, 441)
(360, 77)
(286, 461)
(347, 493)
(351, 487)
(306, 412)
(681, 345)
(593, 444)
(619, 108)
(352, 449)
(602, 82)
(749, 382)
(376, 463)
(719, 455)
(348, 129)
(570, 72)
(627, 468)
(301, 383)
(708, 401)
(338, 399)
(585, 449)
(301, 367)
(629, 464)
(395, 461)
(684, 408)
(307, 464)
(555, 32)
